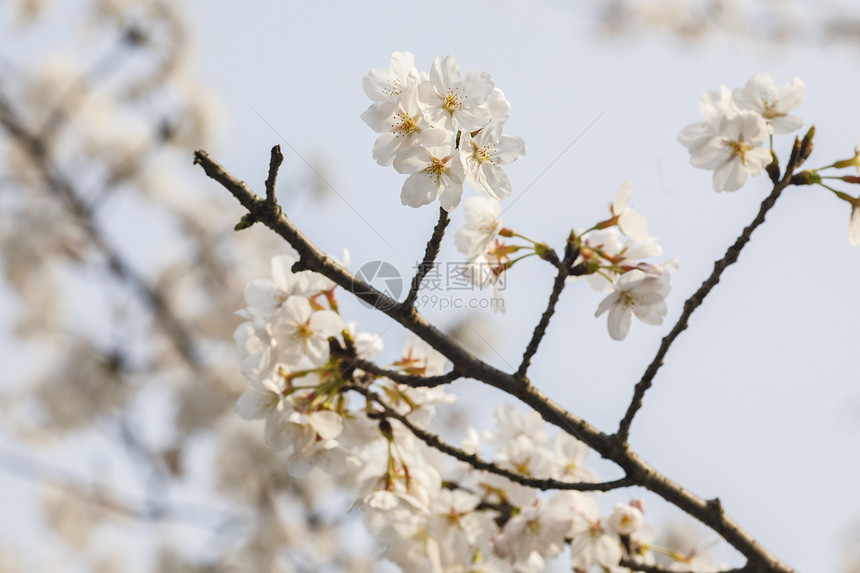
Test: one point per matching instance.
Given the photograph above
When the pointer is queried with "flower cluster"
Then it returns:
(737, 126)
(430, 512)
(441, 128)
(636, 287)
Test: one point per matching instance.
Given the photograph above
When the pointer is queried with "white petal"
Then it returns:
(622, 196)
(730, 176)
(620, 321)
(326, 323)
(634, 225)
(255, 403)
(450, 196)
(854, 227)
(327, 424)
(419, 189)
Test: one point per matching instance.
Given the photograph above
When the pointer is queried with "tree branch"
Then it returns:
(634, 565)
(274, 164)
(406, 379)
(430, 254)
(58, 183)
(709, 513)
(570, 255)
(693, 303)
(476, 462)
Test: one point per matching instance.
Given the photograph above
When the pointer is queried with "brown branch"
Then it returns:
(645, 568)
(695, 301)
(406, 379)
(430, 254)
(434, 441)
(274, 164)
(643, 474)
(540, 330)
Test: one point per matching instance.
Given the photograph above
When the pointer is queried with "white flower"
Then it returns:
(454, 102)
(458, 527)
(625, 519)
(436, 171)
(569, 459)
(484, 155)
(299, 331)
(761, 95)
(512, 422)
(400, 123)
(422, 359)
(526, 456)
(386, 85)
(590, 543)
(264, 296)
(630, 222)
(636, 293)
(536, 528)
(732, 148)
(482, 226)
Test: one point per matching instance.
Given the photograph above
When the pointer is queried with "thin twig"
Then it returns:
(58, 183)
(692, 304)
(32, 470)
(406, 379)
(274, 164)
(476, 462)
(540, 330)
(430, 254)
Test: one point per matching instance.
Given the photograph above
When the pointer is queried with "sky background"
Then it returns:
(758, 402)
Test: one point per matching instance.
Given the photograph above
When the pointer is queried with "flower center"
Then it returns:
(770, 111)
(395, 90)
(627, 298)
(453, 99)
(406, 126)
(738, 149)
(438, 167)
(485, 153)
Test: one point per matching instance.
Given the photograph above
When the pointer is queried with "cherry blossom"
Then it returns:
(484, 154)
(435, 171)
(300, 331)
(386, 85)
(761, 95)
(453, 101)
(631, 223)
(483, 223)
(733, 149)
(626, 519)
(635, 293)
(401, 124)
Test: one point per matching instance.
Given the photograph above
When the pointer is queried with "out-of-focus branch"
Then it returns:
(58, 183)
(709, 512)
(124, 505)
